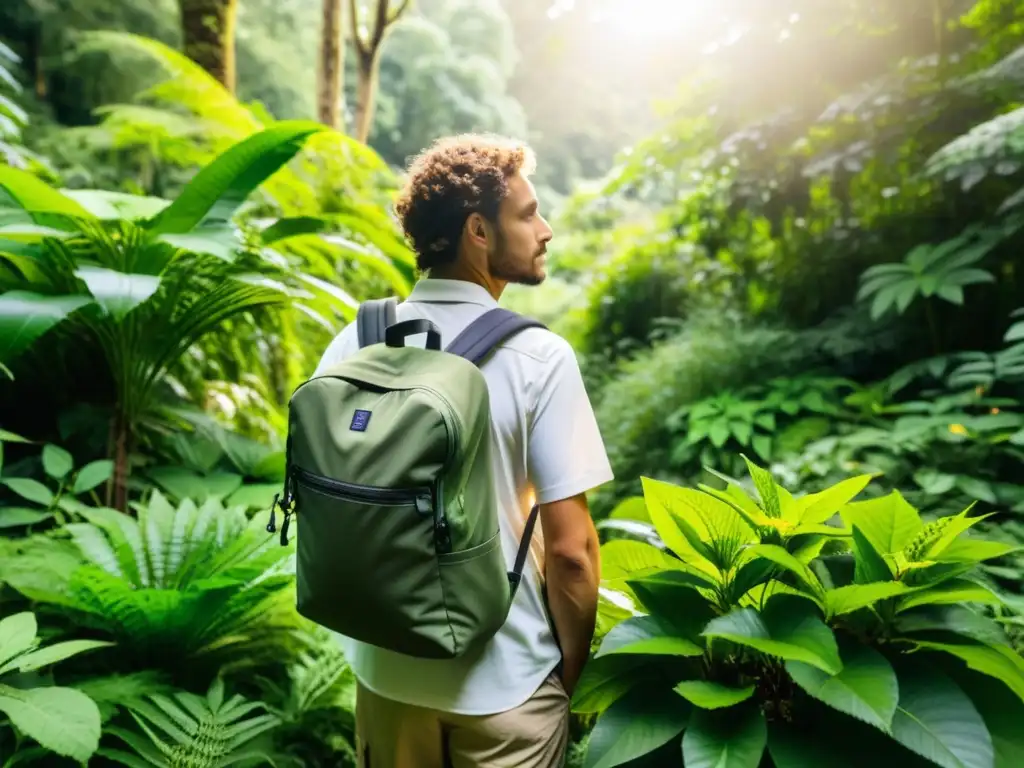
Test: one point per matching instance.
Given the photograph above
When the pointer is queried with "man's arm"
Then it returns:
(573, 572)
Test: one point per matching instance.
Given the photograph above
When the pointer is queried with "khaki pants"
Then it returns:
(535, 734)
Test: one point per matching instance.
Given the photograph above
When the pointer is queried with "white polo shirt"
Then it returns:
(546, 445)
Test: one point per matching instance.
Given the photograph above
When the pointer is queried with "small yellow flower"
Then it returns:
(958, 429)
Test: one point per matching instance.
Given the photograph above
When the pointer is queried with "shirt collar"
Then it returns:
(459, 291)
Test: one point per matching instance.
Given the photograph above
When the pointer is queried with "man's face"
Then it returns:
(517, 254)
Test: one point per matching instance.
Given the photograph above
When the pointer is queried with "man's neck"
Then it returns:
(459, 271)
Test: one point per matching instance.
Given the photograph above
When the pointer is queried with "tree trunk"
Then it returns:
(367, 58)
(208, 31)
(120, 438)
(366, 93)
(330, 81)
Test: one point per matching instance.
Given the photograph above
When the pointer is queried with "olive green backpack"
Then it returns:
(389, 473)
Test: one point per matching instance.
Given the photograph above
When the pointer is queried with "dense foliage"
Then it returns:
(802, 271)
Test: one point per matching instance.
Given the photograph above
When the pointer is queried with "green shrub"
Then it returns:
(707, 356)
(802, 631)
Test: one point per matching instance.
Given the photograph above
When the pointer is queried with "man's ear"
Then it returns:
(477, 230)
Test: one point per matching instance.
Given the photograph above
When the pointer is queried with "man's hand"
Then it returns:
(572, 574)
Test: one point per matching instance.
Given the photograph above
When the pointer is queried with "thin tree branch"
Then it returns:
(361, 46)
(398, 12)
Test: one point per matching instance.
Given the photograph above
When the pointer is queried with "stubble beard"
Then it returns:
(505, 267)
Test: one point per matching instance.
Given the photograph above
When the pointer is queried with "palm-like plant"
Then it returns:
(199, 588)
(184, 729)
(143, 281)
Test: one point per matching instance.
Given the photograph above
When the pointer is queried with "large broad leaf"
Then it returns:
(949, 592)
(216, 192)
(782, 558)
(999, 661)
(117, 292)
(676, 531)
(647, 635)
(605, 680)
(949, 623)
(853, 597)
(826, 738)
(732, 738)
(635, 726)
(17, 635)
(865, 688)
(789, 627)
(709, 695)
(25, 316)
(1002, 711)
(671, 597)
(622, 558)
(63, 720)
(819, 507)
(35, 196)
(938, 721)
(889, 522)
(869, 566)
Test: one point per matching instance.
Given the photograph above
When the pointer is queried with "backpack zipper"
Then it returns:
(422, 498)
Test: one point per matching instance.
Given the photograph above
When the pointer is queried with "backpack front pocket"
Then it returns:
(383, 540)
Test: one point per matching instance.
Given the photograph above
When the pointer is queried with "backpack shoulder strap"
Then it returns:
(488, 331)
(474, 343)
(373, 318)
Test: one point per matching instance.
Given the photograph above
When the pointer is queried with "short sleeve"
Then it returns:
(341, 346)
(565, 451)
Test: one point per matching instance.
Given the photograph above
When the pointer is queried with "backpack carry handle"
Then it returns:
(396, 334)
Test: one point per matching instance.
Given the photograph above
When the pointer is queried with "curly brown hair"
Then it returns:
(452, 178)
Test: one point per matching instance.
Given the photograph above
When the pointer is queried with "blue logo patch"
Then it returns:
(359, 421)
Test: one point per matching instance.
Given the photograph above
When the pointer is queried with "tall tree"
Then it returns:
(368, 57)
(331, 69)
(208, 36)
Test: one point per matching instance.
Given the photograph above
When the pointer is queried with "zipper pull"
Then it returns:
(284, 527)
(272, 525)
(444, 539)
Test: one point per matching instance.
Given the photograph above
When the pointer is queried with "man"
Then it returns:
(472, 216)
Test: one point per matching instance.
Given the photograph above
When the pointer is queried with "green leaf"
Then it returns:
(888, 522)
(865, 688)
(17, 635)
(1002, 711)
(853, 597)
(605, 680)
(789, 628)
(646, 635)
(734, 738)
(15, 517)
(935, 719)
(51, 654)
(870, 566)
(62, 720)
(949, 592)
(819, 507)
(827, 738)
(635, 726)
(25, 316)
(117, 292)
(216, 192)
(36, 196)
(29, 489)
(998, 661)
(91, 475)
(685, 544)
(766, 489)
(57, 462)
(781, 557)
(708, 695)
(671, 597)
